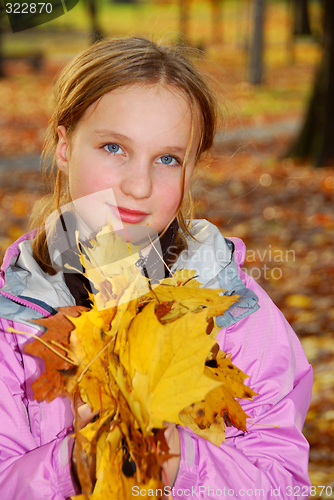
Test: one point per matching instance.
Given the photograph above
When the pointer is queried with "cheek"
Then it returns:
(169, 196)
(80, 186)
(84, 180)
(169, 193)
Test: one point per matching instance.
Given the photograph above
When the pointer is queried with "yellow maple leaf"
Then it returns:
(167, 363)
(108, 247)
(88, 343)
(230, 375)
(109, 464)
(184, 291)
(206, 417)
(194, 417)
(109, 257)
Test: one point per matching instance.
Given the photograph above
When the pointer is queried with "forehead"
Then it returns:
(155, 105)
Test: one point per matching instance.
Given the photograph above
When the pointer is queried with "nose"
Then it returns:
(137, 180)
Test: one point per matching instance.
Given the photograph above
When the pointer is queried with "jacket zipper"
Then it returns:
(26, 303)
(141, 263)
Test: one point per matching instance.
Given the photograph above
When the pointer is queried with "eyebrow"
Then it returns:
(109, 134)
(105, 133)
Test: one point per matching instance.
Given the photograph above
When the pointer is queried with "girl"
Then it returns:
(132, 120)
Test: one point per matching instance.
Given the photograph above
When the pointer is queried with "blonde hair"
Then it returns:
(102, 68)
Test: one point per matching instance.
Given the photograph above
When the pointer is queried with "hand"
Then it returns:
(170, 467)
(84, 415)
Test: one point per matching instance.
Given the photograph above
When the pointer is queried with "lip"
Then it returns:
(127, 215)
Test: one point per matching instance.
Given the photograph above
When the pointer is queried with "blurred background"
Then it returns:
(272, 182)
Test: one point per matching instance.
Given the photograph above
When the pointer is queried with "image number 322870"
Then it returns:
(25, 15)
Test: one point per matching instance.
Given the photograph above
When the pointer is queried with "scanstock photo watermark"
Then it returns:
(258, 264)
(225, 492)
(267, 261)
(26, 14)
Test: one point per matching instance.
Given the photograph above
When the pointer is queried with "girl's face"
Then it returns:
(125, 156)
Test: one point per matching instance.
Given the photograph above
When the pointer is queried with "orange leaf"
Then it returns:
(53, 380)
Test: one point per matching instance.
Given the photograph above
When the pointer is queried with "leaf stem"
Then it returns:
(263, 425)
(12, 330)
(70, 353)
(92, 360)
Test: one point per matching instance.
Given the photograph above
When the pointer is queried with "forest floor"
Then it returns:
(282, 209)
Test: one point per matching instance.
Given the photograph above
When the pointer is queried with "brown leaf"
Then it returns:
(53, 380)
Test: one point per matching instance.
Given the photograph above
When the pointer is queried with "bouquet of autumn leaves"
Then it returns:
(138, 359)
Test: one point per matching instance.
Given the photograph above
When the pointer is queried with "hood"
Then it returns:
(211, 255)
(26, 291)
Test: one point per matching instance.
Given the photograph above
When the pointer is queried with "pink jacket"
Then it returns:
(35, 445)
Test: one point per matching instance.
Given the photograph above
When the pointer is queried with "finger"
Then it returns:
(85, 415)
(170, 427)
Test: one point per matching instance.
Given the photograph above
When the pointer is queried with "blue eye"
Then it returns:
(168, 160)
(113, 148)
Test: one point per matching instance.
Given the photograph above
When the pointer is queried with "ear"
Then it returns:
(62, 150)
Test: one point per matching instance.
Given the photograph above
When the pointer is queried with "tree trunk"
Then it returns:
(217, 29)
(96, 32)
(301, 18)
(184, 21)
(256, 52)
(2, 14)
(316, 137)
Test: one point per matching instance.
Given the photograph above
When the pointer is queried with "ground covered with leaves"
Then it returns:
(281, 209)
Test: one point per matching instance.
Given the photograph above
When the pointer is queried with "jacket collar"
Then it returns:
(217, 261)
